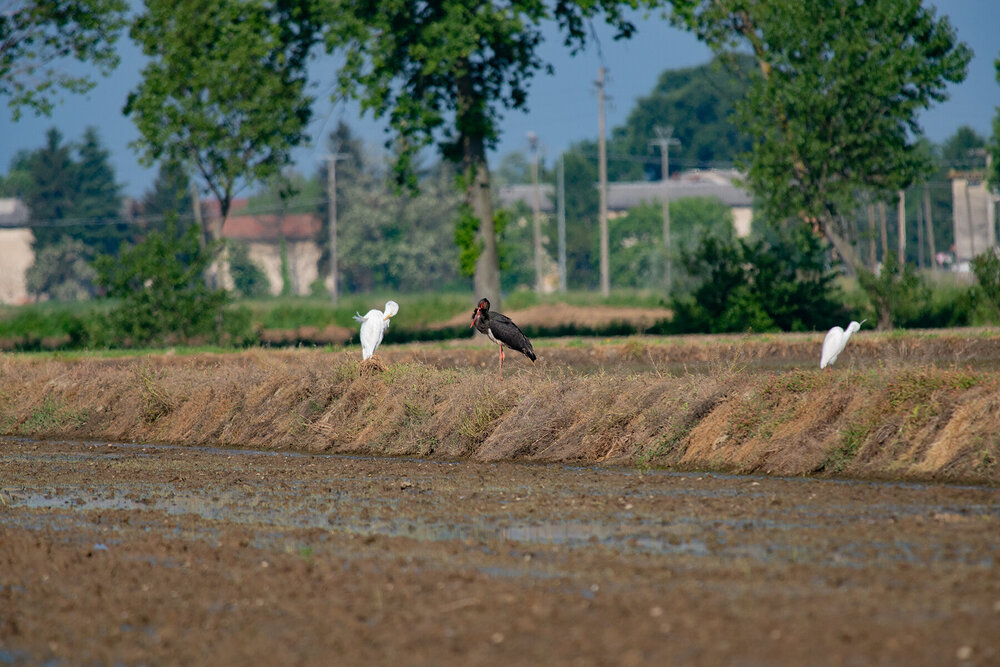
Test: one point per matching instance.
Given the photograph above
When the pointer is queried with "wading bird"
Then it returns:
(835, 342)
(501, 330)
(373, 326)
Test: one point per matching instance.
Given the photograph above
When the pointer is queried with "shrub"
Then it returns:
(248, 278)
(986, 268)
(163, 294)
(776, 282)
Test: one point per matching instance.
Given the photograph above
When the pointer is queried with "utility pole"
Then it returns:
(602, 177)
(885, 231)
(991, 200)
(196, 205)
(664, 140)
(873, 258)
(331, 193)
(968, 219)
(901, 215)
(928, 220)
(921, 264)
(561, 222)
(537, 210)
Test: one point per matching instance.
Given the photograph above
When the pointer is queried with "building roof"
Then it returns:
(13, 213)
(623, 196)
(295, 226)
(263, 227)
(212, 210)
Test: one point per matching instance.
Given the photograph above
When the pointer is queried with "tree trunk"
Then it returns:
(486, 279)
(843, 248)
(872, 256)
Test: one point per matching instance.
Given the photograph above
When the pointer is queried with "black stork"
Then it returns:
(501, 330)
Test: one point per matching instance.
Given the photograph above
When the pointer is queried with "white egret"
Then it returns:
(836, 341)
(373, 326)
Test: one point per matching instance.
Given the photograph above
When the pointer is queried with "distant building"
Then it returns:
(627, 195)
(263, 234)
(16, 254)
(973, 217)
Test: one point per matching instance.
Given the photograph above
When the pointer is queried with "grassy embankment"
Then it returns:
(913, 411)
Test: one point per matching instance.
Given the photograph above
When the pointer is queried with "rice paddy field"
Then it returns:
(638, 500)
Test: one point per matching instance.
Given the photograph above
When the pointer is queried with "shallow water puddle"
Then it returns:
(578, 507)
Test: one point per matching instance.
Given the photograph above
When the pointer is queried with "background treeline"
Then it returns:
(394, 240)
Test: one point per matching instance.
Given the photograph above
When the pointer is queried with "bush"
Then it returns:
(986, 268)
(898, 293)
(776, 282)
(248, 278)
(62, 272)
(164, 299)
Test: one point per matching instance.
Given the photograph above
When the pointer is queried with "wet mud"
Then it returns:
(127, 554)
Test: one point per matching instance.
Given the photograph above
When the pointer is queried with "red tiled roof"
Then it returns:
(296, 227)
(211, 210)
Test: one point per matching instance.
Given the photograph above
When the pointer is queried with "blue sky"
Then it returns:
(562, 107)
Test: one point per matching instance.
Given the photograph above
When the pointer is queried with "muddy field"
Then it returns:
(129, 554)
(562, 515)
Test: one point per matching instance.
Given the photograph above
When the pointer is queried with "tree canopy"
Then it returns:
(224, 88)
(445, 72)
(697, 102)
(170, 195)
(75, 205)
(35, 36)
(833, 110)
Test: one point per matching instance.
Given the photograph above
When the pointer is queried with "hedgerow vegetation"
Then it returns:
(892, 420)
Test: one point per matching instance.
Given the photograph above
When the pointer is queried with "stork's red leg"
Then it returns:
(501, 360)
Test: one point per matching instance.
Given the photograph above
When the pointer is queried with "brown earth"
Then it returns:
(561, 314)
(141, 554)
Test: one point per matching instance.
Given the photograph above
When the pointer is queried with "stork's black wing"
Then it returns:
(505, 331)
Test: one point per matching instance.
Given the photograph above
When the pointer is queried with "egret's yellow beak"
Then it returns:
(386, 317)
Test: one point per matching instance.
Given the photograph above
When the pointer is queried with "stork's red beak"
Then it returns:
(475, 317)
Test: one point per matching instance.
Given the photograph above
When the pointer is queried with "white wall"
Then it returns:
(302, 260)
(15, 258)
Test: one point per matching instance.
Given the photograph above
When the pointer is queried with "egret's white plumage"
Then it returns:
(374, 324)
(836, 341)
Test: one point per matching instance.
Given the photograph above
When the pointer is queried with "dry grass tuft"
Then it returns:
(903, 422)
(373, 365)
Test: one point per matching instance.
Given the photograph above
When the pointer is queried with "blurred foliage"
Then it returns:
(70, 191)
(993, 177)
(37, 39)
(834, 106)
(697, 102)
(903, 297)
(894, 291)
(75, 212)
(170, 194)
(249, 279)
(986, 268)
(62, 272)
(638, 257)
(192, 104)
(776, 282)
(162, 292)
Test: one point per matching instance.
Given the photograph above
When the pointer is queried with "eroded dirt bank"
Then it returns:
(903, 407)
(116, 554)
